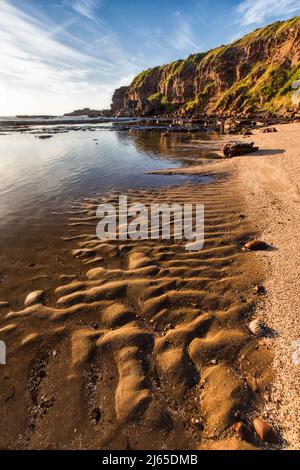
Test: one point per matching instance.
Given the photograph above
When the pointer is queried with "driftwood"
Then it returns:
(234, 149)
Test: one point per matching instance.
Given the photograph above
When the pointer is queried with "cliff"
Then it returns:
(255, 73)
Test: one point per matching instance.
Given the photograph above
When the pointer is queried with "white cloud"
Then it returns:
(253, 12)
(85, 8)
(46, 69)
(183, 38)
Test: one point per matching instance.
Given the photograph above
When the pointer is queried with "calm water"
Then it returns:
(38, 176)
(39, 179)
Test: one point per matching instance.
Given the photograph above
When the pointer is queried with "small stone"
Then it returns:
(269, 129)
(214, 362)
(259, 289)
(256, 245)
(241, 430)
(265, 431)
(54, 353)
(3, 304)
(34, 298)
(96, 414)
(195, 421)
(45, 136)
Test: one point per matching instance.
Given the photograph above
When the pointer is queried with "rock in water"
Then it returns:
(35, 297)
(265, 431)
(234, 149)
(256, 245)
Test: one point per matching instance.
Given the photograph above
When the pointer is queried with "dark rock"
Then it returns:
(96, 415)
(259, 289)
(269, 130)
(234, 149)
(44, 136)
(256, 245)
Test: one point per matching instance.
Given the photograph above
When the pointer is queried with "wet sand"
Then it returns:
(149, 348)
(144, 345)
(269, 182)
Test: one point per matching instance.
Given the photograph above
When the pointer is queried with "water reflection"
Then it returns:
(38, 176)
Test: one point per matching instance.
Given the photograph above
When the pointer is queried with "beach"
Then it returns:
(269, 183)
(143, 344)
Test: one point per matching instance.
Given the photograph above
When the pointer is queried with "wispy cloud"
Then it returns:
(183, 38)
(85, 8)
(253, 12)
(41, 59)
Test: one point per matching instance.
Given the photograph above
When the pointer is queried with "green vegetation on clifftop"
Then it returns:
(255, 72)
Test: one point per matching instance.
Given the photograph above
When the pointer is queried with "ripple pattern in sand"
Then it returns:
(150, 349)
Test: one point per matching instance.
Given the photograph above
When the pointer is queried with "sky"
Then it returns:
(61, 55)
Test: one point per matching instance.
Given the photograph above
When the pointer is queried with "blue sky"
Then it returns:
(60, 55)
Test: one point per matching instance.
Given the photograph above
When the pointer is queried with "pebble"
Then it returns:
(96, 414)
(265, 431)
(4, 304)
(259, 289)
(256, 245)
(35, 297)
(197, 422)
(269, 129)
(241, 430)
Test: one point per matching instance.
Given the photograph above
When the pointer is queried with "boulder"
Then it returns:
(234, 149)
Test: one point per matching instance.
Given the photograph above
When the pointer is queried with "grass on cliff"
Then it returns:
(160, 101)
(265, 85)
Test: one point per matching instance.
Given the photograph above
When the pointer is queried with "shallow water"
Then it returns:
(40, 179)
(41, 175)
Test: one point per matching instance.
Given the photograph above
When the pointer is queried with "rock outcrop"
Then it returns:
(254, 73)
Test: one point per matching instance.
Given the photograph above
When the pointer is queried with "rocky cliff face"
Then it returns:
(254, 73)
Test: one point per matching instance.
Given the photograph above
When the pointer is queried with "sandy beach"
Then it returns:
(148, 346)
(149, 221)
(268, 181)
